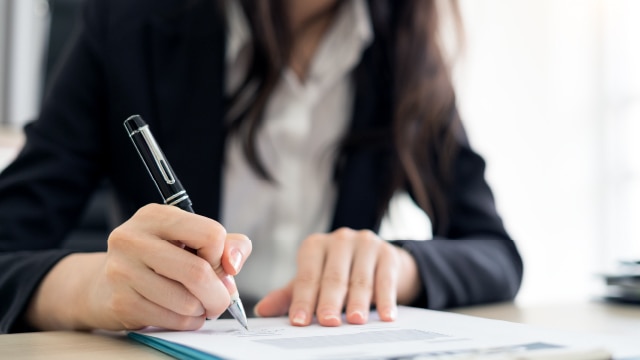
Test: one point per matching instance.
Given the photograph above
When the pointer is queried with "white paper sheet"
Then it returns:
(417, 333)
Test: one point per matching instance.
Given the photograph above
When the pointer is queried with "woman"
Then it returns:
(292, 123)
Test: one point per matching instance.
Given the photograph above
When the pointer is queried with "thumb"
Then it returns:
(275, 303)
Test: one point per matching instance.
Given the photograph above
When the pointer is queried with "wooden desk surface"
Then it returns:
(593, 317)
(70, 345)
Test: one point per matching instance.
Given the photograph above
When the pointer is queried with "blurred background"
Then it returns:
(549, 91)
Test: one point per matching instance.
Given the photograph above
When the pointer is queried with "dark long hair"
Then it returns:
(425, 122)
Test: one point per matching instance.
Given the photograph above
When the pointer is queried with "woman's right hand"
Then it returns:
(145, 278)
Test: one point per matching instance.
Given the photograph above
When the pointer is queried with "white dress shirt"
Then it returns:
(303, 123)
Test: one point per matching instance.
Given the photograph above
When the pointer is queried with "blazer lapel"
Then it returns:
(187, 65)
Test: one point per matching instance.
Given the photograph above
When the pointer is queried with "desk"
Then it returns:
(68, 345)
(593, 317)
(589, 317)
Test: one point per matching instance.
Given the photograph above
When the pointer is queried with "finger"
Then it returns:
(167, 293)
(306, 285)
(194, 273)
(237, 249)
(386, 283)
(335, 278)
(275, 303)
(361, 282)
(173, 224)
(137, 312)
(196, 232)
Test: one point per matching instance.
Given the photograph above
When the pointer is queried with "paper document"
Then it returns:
(416, 334)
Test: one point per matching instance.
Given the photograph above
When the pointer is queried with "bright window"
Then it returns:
(550, 93)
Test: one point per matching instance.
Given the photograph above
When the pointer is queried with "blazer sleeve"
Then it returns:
(474, 260)
(43, 192)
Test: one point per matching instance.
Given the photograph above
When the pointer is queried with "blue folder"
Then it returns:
(176, 350)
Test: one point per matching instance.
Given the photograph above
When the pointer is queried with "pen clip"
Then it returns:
(161, 162)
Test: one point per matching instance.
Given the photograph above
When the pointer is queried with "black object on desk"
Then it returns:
(624, 284)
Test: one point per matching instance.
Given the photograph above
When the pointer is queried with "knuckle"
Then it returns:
(118, 238)
(368, 236)
(115, 272)
(334, 278)
(213, 231)
(361, 283)
(305, 279)
(150, 210)
(189, 304)
(160, 213)
(343, 233)
(119, 305)
(199, 272)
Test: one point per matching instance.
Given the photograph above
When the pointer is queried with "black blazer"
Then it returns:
(145, 57)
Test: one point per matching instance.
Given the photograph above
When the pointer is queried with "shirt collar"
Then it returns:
(239, 35)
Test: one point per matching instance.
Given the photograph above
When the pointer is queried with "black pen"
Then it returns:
(169, 186)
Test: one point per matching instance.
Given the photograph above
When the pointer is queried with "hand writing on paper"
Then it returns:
(144, 279)
(345, 269)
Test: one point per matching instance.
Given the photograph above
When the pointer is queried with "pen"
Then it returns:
(169, 186)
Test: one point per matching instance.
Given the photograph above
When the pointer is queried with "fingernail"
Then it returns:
(391, 313)
(235, 259)
(332, 318)
(357, 316)
(300, 318)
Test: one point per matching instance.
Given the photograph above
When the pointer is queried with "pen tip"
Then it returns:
(237, 311)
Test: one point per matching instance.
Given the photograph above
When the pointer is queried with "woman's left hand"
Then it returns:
(345, 269)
